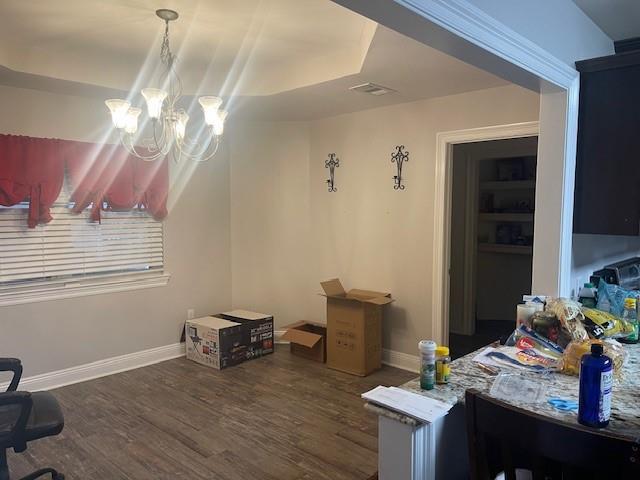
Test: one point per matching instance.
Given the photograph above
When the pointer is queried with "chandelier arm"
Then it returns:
(155, 135)
(131, 148)
(200, 156)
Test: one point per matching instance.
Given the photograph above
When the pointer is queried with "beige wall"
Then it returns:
(278, 237)
(59, 334)
(367, 234)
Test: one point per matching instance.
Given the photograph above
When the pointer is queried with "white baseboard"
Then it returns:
(101, 368)
(130, 361)
(277, 337)
(401, 360)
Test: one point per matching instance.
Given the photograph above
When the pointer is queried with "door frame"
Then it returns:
(461, 29)
(442, 210)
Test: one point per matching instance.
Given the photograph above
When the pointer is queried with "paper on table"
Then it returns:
(484, 359)
(416, 406)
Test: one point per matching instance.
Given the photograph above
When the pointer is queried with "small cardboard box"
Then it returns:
(354, 328)
(308, 340)
(230, 338)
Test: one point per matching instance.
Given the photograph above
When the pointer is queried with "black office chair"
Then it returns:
(503, 438)
(25, 417)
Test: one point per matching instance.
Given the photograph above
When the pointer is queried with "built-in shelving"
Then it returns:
(504, 248)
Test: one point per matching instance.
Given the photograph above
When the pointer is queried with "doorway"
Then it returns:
(491, 238)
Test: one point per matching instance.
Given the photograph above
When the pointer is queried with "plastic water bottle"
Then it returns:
(587, 296)
(596, 381)
(427, 364)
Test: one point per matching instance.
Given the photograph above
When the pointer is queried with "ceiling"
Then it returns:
(619, 19)
(277, 59)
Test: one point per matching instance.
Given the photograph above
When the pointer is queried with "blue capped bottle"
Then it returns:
(596, 380)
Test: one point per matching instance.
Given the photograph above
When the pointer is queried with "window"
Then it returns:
(73, 256)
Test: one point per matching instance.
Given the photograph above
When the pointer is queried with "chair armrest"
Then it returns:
(12, 365)
(17, 433)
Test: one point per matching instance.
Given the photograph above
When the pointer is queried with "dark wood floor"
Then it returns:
(279, 417)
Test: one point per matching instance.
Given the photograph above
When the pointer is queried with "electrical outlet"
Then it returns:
(191, 314)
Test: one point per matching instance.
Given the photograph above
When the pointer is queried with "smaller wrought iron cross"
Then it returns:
(331, 163)
(399, 157)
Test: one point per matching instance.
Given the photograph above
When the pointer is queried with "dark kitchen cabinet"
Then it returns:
(607, 194)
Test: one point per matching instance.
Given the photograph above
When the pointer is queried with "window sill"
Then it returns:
(79, 288)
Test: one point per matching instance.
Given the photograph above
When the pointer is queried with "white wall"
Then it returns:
(58, 334)
(270, 218)
(366, 233)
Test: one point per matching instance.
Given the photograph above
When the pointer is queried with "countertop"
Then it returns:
(625, 401)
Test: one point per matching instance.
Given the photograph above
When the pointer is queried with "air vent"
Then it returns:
(372, 89)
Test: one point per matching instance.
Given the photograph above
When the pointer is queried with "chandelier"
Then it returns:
(168, 119)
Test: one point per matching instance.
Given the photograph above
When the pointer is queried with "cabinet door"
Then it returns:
(607, 195)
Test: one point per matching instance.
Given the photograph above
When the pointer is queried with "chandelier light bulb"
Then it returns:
(210, 106)
(155, 98)
(131, 120)
(218, 125)
(119, 109)
(181, 124)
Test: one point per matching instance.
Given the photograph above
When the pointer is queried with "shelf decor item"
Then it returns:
(399, 157)
(168, 120)
(331, 163)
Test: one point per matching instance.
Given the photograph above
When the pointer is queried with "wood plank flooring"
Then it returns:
(279, 417)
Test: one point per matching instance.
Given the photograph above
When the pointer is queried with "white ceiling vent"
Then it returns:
(372, 89)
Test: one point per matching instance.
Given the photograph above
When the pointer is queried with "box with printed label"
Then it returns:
(257, 331)
(354, 328)
(229, 338)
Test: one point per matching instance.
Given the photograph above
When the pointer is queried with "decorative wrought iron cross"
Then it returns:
(399, 157)
(331, 163)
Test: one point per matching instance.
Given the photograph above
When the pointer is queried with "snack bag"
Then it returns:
(571, 318)
(602, 324)
(576, 350)
(524, 338)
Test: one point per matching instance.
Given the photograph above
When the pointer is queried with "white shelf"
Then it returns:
(503, 248)
(506, 217)
(509, 185)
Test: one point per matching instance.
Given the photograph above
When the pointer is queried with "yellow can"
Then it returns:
(443, 365)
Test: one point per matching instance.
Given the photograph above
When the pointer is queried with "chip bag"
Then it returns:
(601, 324)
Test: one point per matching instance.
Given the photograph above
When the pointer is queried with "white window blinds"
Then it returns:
(72, 247)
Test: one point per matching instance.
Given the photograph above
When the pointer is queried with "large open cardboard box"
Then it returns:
(354, 328)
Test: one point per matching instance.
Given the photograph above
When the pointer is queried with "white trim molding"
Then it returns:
(60, 289)
(404, 361)
(467, 21)
(442, 211)
(277, 337)
(100, 368)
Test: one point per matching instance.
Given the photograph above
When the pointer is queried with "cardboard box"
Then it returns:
(308, 340)
(354, 328)
(257, 331)
(230, 338)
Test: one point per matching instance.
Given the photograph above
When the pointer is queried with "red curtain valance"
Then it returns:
(101, 176)
(30, 169)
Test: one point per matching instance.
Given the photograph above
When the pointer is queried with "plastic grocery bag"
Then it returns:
(611, 298)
